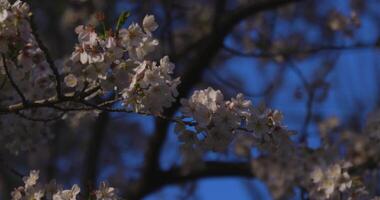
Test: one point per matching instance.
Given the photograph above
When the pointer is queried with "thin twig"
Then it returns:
(49, 59)
(37, 119)
(294, 52)
(13, 83)
(11, 169)
(3, 83)
(262, 93)
(310, 98)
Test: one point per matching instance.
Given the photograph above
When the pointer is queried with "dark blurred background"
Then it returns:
(313, 60)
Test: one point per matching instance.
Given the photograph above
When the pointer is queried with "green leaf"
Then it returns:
(121, 20)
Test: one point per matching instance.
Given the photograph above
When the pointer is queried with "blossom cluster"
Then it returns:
(323, 179)
(209, 123)
(280, 173)
(339, 22)
(216, 123)
(26, 61)
(52, 191)
(330, 179)
(119, 61)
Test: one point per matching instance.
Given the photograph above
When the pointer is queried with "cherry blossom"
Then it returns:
(331, 179)
(121, 67)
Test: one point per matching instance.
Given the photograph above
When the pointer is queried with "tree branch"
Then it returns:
(94, 147)
(210, 170)
(49, 59)
(39, 119)
(203, 54)
(297, 52)
(13, 83)
(48, 102)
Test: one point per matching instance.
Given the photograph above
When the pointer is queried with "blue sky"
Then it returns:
(353, 88)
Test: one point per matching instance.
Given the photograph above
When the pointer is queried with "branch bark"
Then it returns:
(93, 153)
(211, 169)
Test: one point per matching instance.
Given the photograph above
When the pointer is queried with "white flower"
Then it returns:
(88, 54)
(316, 175)
(275, 117)
(3, 15)
(146, 46)
(21, 7)
(149, 24)
(67, 194)
(80, 55)
(86, 35)
(241, 105)
(110, 42)
(330, 179)
(131, 36)
(202, 103)
(152, 77)
(157, 97)
(34, 194)
(206, 105)
(16, 194)
(212, 98)
(31, 180)
(139, 73)
(202, 115)
(71, 80)
(166, 66)
(151, 89)
(95, 57)
(220, 121)
(105, 192)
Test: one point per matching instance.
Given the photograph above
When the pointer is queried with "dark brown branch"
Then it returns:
(310, 88)
(91, 162)
(49, 59)
(233, 86)
(39, 119)
(2, 84)
(298, 52)
(220, 7)
(13, 83)
(9, 168)
(210, 170)
(51, 102)
(310, 99)
(203, 53)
